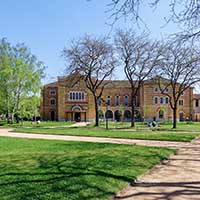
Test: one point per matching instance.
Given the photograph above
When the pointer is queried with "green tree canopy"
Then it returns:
(20, 76)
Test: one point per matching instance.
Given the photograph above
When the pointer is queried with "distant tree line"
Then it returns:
(20, 82)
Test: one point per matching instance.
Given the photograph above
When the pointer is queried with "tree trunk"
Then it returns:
(17, 118)
(132, 112)
(12, 118)
(96, 112)
(174, 117)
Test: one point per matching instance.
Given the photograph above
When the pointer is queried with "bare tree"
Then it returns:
(181, 70)
(183, 12)
(93, 59)
(139, 57)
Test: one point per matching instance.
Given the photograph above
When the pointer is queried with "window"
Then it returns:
(180, 102)
(71, 96)
(126, 100)
(166, 90)
(135, 101)
(76, 96)
(196, 103)
(108, 101)
(155, 100)
(161, 100)
(155, 89)
(161, 114)
(166, 100)
(117, 101)
(52, 92)
(99, 101)
(52, 102)
(182, 93)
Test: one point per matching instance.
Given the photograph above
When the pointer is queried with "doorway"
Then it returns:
(52, 115)
(181, 117)
(77, 117)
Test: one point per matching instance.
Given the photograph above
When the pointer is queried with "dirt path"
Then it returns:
(176, 179)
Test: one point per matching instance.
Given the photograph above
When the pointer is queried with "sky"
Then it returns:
(47, 26)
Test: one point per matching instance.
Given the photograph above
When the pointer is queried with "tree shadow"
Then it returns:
(71, 174)
(175, 190)
(60, 178)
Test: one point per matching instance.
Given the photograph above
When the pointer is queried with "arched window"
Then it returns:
(155, 89)
(99, 101)
(126, 100)
(155, 100)
(166, 100)
(76, 96)
(161, 114)
(101, 115)
(127, 115)
(108, 101)
(109, 114)
(76, 108)
(181, 116)
(161, 100)
(117, 100)
(118, 115)
(52, 92)
(137, 115)
(52, 102)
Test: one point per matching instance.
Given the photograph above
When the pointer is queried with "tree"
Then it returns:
(93, 59)
(186, 13)
(29, 107)
(20, 75)
(140, 57)
(180, 70)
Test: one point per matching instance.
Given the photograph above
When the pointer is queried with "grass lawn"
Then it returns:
(181, 126)
(49, 170)
(30, 124)
(115, 133)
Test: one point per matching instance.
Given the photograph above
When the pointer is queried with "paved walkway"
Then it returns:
(176, 179)
(5, 132)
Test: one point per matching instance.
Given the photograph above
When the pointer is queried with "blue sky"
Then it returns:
(46, 26)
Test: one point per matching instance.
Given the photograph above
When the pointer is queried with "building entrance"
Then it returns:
(77, 117)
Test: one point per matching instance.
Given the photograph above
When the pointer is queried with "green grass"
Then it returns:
(42, 124)
(100, 132)
(181, 126)
(49, 170)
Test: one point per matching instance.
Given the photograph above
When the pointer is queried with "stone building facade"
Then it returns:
(196, 106)
(64, 101)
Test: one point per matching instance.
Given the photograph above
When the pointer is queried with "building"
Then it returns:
(70, 100)
(196, 107)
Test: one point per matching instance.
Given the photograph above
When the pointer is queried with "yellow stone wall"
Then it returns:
(145, 101)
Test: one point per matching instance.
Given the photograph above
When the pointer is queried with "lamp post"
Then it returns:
(106, 115)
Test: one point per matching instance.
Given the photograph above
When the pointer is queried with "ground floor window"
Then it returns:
(109, 114)
(181, 116)
(101, 115)
(118, 115)
(127, 115)
(161, 114)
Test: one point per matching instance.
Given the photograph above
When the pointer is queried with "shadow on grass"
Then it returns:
(60, 178)
(68, 177)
